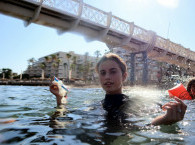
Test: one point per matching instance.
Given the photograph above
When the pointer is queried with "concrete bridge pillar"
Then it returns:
(132, 74)
(145, 68)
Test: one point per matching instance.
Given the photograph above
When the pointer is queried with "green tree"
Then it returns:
(47, 58)
(54, 57)
(58, 61)
(7, 73)
(55, 65)
(43, 66)
(80, 71)
(73, 65)
(86, 67)
(31, 61)
(97, 54)
(68, 55)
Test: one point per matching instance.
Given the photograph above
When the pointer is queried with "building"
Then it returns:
(153, 66)
(72, 66)
(64, 65)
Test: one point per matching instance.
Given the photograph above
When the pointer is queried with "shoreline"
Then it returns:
(45, 83)
(78, 84)
(25, 83)
(69, 85)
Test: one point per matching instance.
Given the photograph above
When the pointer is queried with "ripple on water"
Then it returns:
(38, 122)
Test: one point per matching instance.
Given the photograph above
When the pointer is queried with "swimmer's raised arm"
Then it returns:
(175, 112)
(55, 89)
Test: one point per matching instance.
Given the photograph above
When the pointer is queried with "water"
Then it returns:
(33, 118)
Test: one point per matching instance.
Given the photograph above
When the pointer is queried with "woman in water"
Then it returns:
(191, 88)
(112, 72)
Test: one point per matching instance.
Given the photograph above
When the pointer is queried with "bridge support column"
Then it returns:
(132, 73)
(145, 68)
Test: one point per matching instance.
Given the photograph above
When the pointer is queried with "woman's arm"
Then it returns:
(55, 89)
(175, 112)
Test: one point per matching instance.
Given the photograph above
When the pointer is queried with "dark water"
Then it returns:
(33, 119)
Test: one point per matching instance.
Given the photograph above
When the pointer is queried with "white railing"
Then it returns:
(162, 43)
(69, 6)
(94, 15)
(141, 34)
(97, 16)
(120, 25)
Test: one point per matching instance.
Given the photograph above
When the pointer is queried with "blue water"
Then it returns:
(35, 120)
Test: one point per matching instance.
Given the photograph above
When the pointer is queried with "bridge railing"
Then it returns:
(120, 25)
(94, 15)
(67, 6)
(178, 49)
(141, 34)
(162, 43)
(101, 18)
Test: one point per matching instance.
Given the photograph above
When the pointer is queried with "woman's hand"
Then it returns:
(175, 112)
(54, 89)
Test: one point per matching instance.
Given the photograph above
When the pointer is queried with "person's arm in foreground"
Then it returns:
(61, 108)
(175, 112)
(54, 89)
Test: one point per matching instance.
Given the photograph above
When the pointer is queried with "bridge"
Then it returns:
(95, 24)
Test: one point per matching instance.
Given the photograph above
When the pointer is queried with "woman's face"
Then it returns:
(111, 77)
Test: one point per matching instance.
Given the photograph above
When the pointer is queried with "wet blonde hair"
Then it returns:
(113, 57)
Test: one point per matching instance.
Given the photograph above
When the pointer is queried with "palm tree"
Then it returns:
(65, 69)
(91, 71)
(43, 66)
(68, 55)
(80, 71)
(73, 65)
(86, 66)
(31, 61)
(97, 54)
(47, 58)
(58, 61)
(47, 61)
(55, 65)
(54, 57)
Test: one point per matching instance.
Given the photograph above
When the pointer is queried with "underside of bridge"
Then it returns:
(137, 40)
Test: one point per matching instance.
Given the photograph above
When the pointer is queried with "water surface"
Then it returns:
(33, 119)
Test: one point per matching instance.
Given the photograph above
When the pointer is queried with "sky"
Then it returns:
(172, 19)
